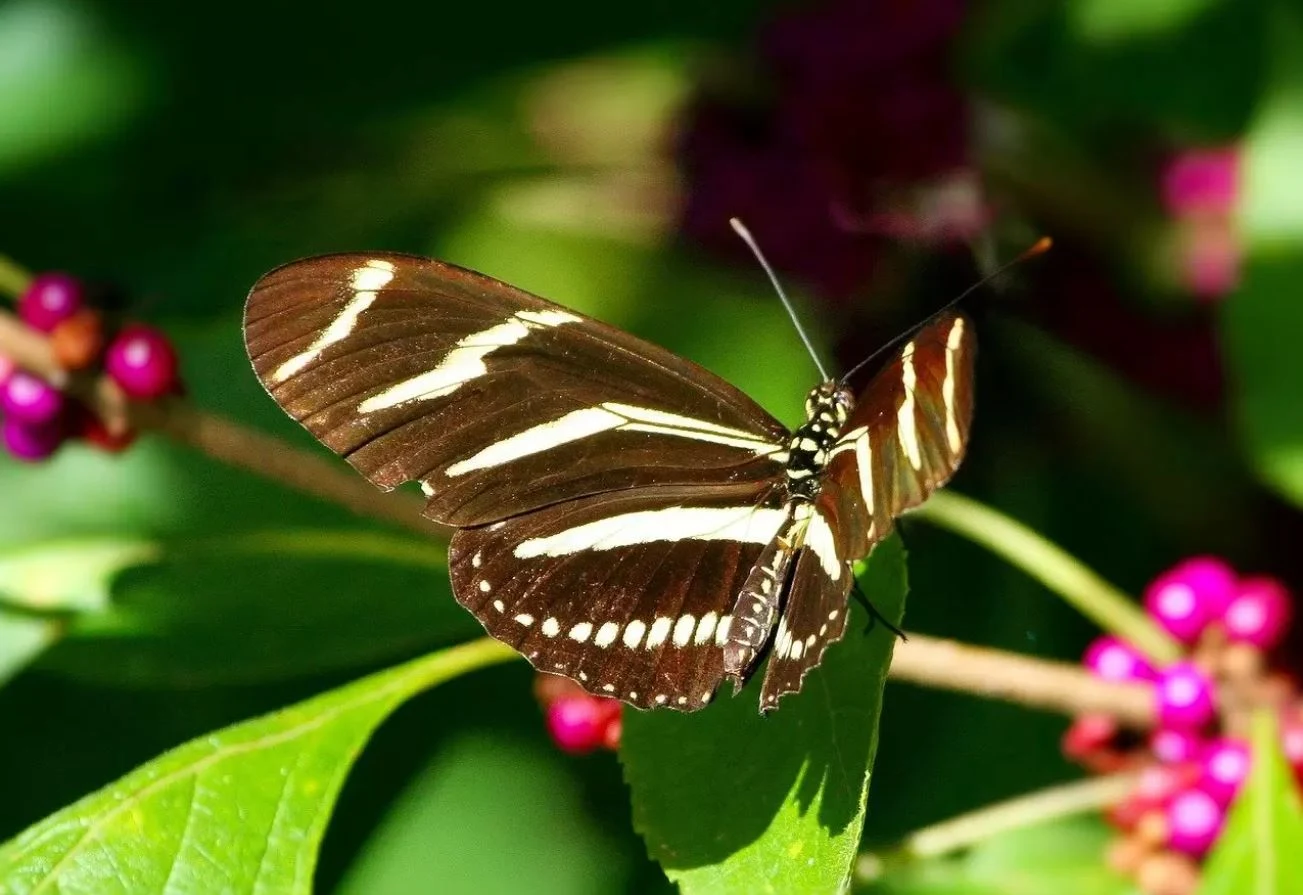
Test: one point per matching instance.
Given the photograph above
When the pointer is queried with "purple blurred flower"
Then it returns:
(864, 137)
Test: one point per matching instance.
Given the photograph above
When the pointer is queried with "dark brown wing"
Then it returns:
(907, 433)
(497, 401)
(630, 594)
(903, 440)
(814, 614)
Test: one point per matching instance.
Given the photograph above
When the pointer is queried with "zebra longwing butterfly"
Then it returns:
(623, 516)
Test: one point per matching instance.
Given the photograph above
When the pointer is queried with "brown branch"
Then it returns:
(312, 473)
(1036, 683)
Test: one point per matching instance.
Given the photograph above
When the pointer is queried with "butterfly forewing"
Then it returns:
(498, 401)
(907, 434)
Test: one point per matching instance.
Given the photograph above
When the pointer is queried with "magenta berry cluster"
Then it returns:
(36, 416)
(578, 721)
(1192, 766)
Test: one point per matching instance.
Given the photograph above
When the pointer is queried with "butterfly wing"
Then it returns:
(904, 439)
(497, 401)
(906, 435)
(629, 593)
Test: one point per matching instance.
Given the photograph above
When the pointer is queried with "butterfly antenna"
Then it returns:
(1040, 247)
(740, 229)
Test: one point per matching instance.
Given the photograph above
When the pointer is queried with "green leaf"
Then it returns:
(1265, 364)
(1259, 849)
(68, 576)
(729, 801)
(267, 605)
(523, 792)
(22, 639)
(1107, 21)
(1065, 857)
(43, 584)
(240, 810)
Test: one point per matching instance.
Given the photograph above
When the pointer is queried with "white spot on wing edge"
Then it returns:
(721, 629)
(683, 629)
(525, 619)
(660, 629)
(705, 629)
(633, 634)
(551, 627)
(606, 634)
(580, 632)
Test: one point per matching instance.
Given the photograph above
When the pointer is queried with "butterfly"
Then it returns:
(623, 517)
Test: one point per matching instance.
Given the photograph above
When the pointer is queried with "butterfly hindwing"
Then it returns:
(629, 593)
(497, 401)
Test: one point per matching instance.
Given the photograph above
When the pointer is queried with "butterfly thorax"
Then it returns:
(826, 410)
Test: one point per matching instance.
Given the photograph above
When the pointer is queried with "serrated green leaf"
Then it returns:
(1258, 851)
(239, 811)
(729, 801)
(1261, 318)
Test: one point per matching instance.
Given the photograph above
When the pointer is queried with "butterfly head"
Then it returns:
(829, 405)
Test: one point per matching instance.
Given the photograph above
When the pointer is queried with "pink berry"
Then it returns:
(1089, 735)
(611, 732)
(141, 360)
(1175, 746)
(27, 442)
(1185, 697)
(1194, 819)
(1114, 659)
(1185, 598)
(1259, 613)
(577, 723)
(1225, 766)
(1202, 181)
(30, 399)
(49, 299)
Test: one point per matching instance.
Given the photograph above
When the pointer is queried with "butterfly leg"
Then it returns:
(875, 617)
